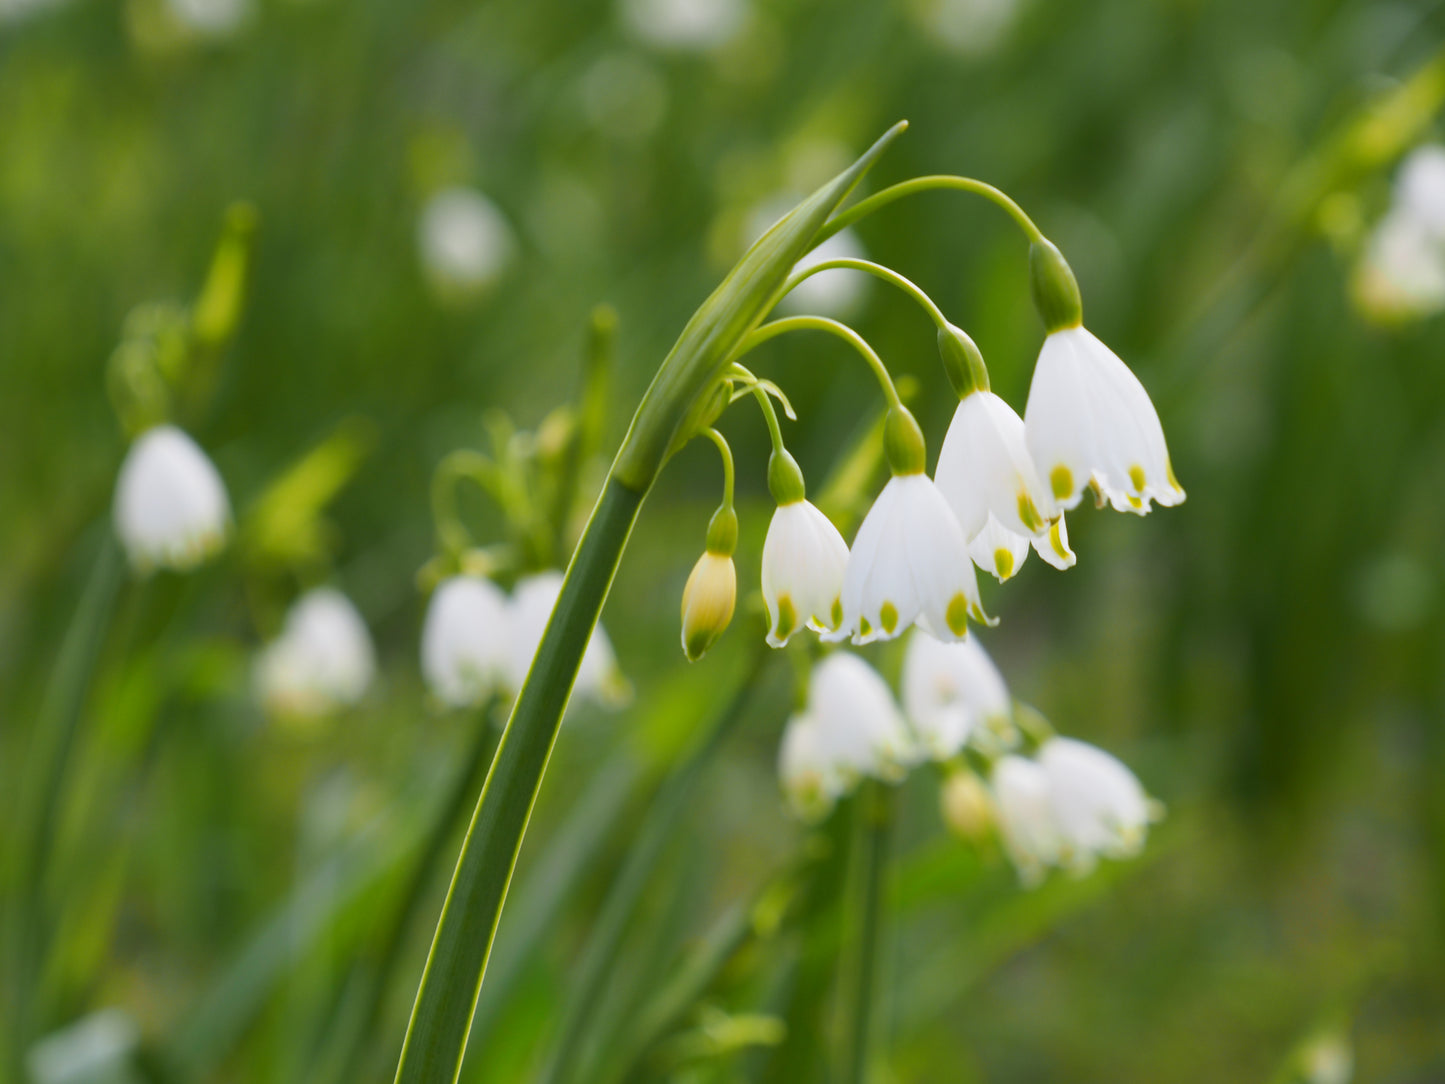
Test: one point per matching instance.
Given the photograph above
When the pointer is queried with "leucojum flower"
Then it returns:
(323, 660)
(171, 509)
(466, 642)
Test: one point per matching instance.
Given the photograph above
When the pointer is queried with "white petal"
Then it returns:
(984, 468)
(1053, 547)
(323, 659)
(999, 551)
(811, 783)
(804, 558)
(953, 693)
(861, 728)
(1098, 803)
(171, 509)
(466, 644)
(1026, 817)
(1420, 188)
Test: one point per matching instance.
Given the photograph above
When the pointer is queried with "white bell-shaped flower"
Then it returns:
(171, 509)
(1099, 806)
(861, 728)
(533, 599)
(322, 661)
(909, 563)
(1026, 818)
(804, 558)
(1420, 188)
(466, 641)
(1088, 419)
(811, 779)
(464, 240)
(998, 550)
(1401, 273)
(953, 693)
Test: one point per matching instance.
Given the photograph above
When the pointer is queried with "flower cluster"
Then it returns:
(1064, 804)
(1401, 273)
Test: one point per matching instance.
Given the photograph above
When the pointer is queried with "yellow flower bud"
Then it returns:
(707, 603)
(967, 807)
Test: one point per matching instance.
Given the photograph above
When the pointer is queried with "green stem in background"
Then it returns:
(670, 413)
(875, 824)
(47, 759)
(865, 207)
(663, 820)
(775, 328)
(585, 440)
(460, 465)
(877, 270)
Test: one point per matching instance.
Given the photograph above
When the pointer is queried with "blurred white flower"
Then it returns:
(1401, 274)
(811, 779)
(989, 480)
(1089, 419)
(953, 693)
(862, 730)
(210, 18)
(1099, 806)
(909, 563)
(1328, 1059)
(837, 292)
(466, 641)
(1420, 189)
(171, 509)
(684, 25)
(1026, 816)
(970, 28)
(803, 561)
(464, 240)
(322, 661)
(96, 1049)
(598, 678)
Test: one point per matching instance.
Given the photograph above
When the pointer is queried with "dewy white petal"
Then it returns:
(1026, 816)
(533, 599)
(1420, 188)
(323, 660)
(952, 694)
(466, 643)
(171, 509)
(1098, 803)
(860, 727)
(1089, 419)
(985, 469)
(909, 563)
(999, 551)
(811, 781)
(804, 558)
(465, 241)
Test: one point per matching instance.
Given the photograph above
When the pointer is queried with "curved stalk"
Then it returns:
(877, 270)
(865, 207)
(774, 328)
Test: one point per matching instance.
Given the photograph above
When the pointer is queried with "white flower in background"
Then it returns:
(94, 1050)
(12, 11)
(952, 694)
(1099, 806)
(322, 661)
(465, 241)
(989, 480)
(909, 563)
(1026, 816)
(1327, 1059)
(804, 557)
(1089, 419)
(1401, 273)
(967, 28)
(210, 18)
(171, 509)
(811, 780)
(837, 292)
(466, 642)
(684, 25)
(1420, 189)
(708, 600)
(598, 678)
(860, 730)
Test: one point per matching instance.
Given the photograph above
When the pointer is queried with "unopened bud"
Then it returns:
(962, 360)
(707, 603)
(1055, 290)
(967, 807)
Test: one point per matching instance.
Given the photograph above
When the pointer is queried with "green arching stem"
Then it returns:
(863, 208)
(459, 465)
(727, 462)
(887, 274)
(765, 404)
(774, 328)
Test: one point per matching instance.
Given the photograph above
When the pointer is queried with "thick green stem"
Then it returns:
(875, 825)
(843, 219)
(436, 1036)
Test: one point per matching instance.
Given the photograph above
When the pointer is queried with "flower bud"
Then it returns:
(1055, 290)
(962, 360)
(967, 807)
(903, 442)
(707, 603)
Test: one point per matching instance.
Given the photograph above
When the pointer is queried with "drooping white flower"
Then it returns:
(952, 693)
(465, 242)
(812, 781)
(1099, 806)
(171, 509)
(1401, 273)
(533, 598)
(1420, 189)
(1026, 816)
(804, 558)
(466, 641)
(987, 475)
(909, 563)
(860, 729)
(708, 600)
(1088, 419)
(322, 661)
(684, 25)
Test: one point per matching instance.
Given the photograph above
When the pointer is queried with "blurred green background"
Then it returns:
(1268, 657)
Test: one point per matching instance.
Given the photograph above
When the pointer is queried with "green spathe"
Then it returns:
(670, 413)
